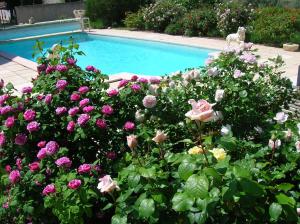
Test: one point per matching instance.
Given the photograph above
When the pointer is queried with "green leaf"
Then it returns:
(285, 200)
(147, 173)
(108, 206)
(182, 202)
(285, 187)
(133, 179)
(197, 186)
(275, 211)
(186, 169)
(241, 172)
(118, 219)
(251, 187)
(147, 208)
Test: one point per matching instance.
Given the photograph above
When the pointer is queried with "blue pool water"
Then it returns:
(114, 55)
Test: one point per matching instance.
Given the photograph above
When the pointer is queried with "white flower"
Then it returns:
(107, 185)
(219, 95)
(218, 115)
(298, 146)
(288, 134)
(213, 71)
(281, 117)
(274, 144)
(225, 130)
(298, 126)
(172, 84)
(139, 116)
(256, 77)
(258, 129)
(153, 89)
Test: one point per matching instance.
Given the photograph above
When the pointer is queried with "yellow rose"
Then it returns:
(218, 153)
(196, 150)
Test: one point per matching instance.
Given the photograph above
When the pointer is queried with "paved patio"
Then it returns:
(20, 71)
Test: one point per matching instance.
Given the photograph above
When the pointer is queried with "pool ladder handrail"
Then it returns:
(85, 23)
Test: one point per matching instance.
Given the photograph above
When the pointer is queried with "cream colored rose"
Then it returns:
(201, 111)
(132, 141)
(107, 185)
(218, 153)
(196, 150)
(160, 137)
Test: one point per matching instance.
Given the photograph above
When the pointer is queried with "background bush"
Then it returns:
(276, 26)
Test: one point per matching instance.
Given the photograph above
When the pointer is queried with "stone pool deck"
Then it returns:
(20, 71)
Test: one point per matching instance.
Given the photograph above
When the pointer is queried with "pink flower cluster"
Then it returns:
(74, 184)
(63, 162)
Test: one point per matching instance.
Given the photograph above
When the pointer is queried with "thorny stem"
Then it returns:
(200, 125)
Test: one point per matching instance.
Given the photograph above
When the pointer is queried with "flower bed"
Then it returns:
(207, 145)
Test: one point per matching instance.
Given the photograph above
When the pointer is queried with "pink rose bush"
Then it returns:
(201, 111)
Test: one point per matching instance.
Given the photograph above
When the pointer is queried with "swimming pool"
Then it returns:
(114, 55)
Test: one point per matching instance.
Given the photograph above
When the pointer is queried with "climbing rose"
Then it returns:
(19, 163)
(10, 121)
(29, 115)
(71, 61)
(73, 111)
(52, 147)
(135, 87)
(84, 168)
(107, 185)
(71, 126)
(49, 189)
(61, 68)
(134, 78)
(74, 184)
(14, 176)
(107, 110)
(3, 98)
(123, 83)
(83, 119)
(61, 84)
(42, 153)
(84, 102)
(201, 111)
(88, 109)
(154, 80)
(112, 92)
(149, 101)
(33, 126)
(238, 74)
(129, 126)
(27, 89)
(5, 110)
(50, 69)
(101, 123)
(160, 137)
(60, 110)
(48, 99)
(63, 162)
(75, 97)
(83, 89)
(196, 150)
(90, 68)
(35, 166)
(20, 139)
(143, 80)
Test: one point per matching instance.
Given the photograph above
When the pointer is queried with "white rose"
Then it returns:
(107, 185)
(225, 130)
(219, 95)
(281, 117)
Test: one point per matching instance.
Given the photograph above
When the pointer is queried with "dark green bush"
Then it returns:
(276, 26)
(112, 11)
(175, 28)
(135, 20)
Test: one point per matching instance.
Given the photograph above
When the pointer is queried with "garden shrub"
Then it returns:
(175, 28)
(233, 14)
(135, 20)
(276, 26)
(206, 145)
(160, 14)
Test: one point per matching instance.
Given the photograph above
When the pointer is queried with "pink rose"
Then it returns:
(101, 123)
(5, 110)
(129, 126)
(10, 122)
(84, 168)
(160, 137)
(83, 119)
(149, 101)
(297, 144)
(88, 109)
(2, 139)
(107, 185)
(74, 184)
(29, 115)
(19, 163)
(60, 110)
(75, 97)
(27, 90)
(42, 153)
(154, 80)
(61, 68)
(134, 78)
(14, 176)
(201, 111)
(8, 168)
(107, 110)
(83, 89)
(41, 144)
(35, 166)
(49, 189)
(123, 83)
(33, 126)
(90, 68)
(112, 92)
(84, 102)
(111, 155)
(71, 126)
(50, 69)
(61, 84)
(71, 61)
(73, 111)
(132, 141)
(3, 98)
(135, 87)
(48, 99)
(52, 147)
(63, 162)
(21, 139)
(143, 80)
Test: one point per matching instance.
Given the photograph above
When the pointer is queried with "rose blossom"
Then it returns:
(10, 121)
(219, 95)
(88, 109)
(219, 153)
(281, 117)
(139, 116)
(41, 68)
(19, 163)
(2, 139)
(153, 89)
(71, 61)
(213, 71)
(84, 168)
(33, 126)
(83, 89)
(8, 168)
(248, 58)
(49, 189)
(297, 144)
(60, 110)
(134, 78)
(143, 80)
(52, 147)
(42, 153)
(50, 69)
(61, 84)
(74, 184)
(35, 166)
(225, 130)
(149, 101)
(27, 90)
(154, 80)
(83, 119)
(132, 141)
(75, 97)
(135, 87)
(288, 134)
(107, 185)
(20, 139)
(101, 123)
(48, 99)
(71, 126)
(160, 137)
(112, 92)
(90, 68)
(29, 115)
(129, 126)
(5, 110)
(63, 162)
(111, 155)
(274, 144)
(61, 68)
(73, 111)
(201, 111)
(84, 102)
(238, 74)
(41, 144)
(5, 205)
(14, 176)
(107, 110)
(3, 98)
(123, 83)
